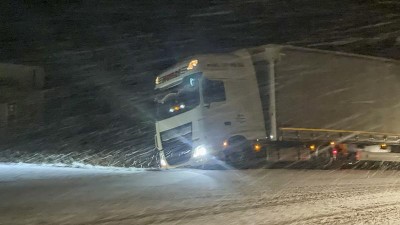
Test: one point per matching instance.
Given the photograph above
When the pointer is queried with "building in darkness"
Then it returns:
(21, 99)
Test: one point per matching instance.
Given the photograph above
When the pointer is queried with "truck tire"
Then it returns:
(323, 160)
(238, 152)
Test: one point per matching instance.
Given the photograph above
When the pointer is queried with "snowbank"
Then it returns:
(23, 171)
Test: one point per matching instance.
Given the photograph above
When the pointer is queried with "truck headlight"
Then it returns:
(199, 151)
(163, 163)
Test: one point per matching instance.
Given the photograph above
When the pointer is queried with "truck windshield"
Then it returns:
(180, 98)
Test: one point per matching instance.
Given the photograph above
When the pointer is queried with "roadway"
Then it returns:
(33, 194)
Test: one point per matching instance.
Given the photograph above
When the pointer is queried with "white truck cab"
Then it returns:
(202, 102)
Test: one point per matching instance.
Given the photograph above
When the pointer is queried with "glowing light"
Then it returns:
(177, 108)
(334, 152)
(192, 81)
(192, 64)
(163, 163)
(312, 147)
(158, 80)
(332, 143)
(384, 146)
(225, 144)
(200, 151)
(257, 147)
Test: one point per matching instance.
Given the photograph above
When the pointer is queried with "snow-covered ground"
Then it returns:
(34, 194)
(24, 171)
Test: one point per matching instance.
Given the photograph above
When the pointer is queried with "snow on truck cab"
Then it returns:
(276, 103)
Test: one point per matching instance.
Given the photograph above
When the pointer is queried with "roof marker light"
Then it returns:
(192, 64)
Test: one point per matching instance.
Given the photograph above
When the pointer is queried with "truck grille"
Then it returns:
(177, 144)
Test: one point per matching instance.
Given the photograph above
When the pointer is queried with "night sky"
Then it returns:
(101, 57)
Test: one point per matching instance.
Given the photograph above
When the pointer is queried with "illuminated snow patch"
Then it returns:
(25, 171)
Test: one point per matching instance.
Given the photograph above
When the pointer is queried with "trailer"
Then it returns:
(278, 103)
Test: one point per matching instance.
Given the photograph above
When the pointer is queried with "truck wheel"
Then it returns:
(237, 154)
(324, 159)
(364, 165)
(237, 160)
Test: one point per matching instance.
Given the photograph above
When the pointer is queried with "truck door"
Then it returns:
(216, 120)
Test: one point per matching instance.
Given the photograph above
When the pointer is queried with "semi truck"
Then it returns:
(278, 103)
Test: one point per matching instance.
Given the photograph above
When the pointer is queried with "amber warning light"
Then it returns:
(192, 64)
(257, 147)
